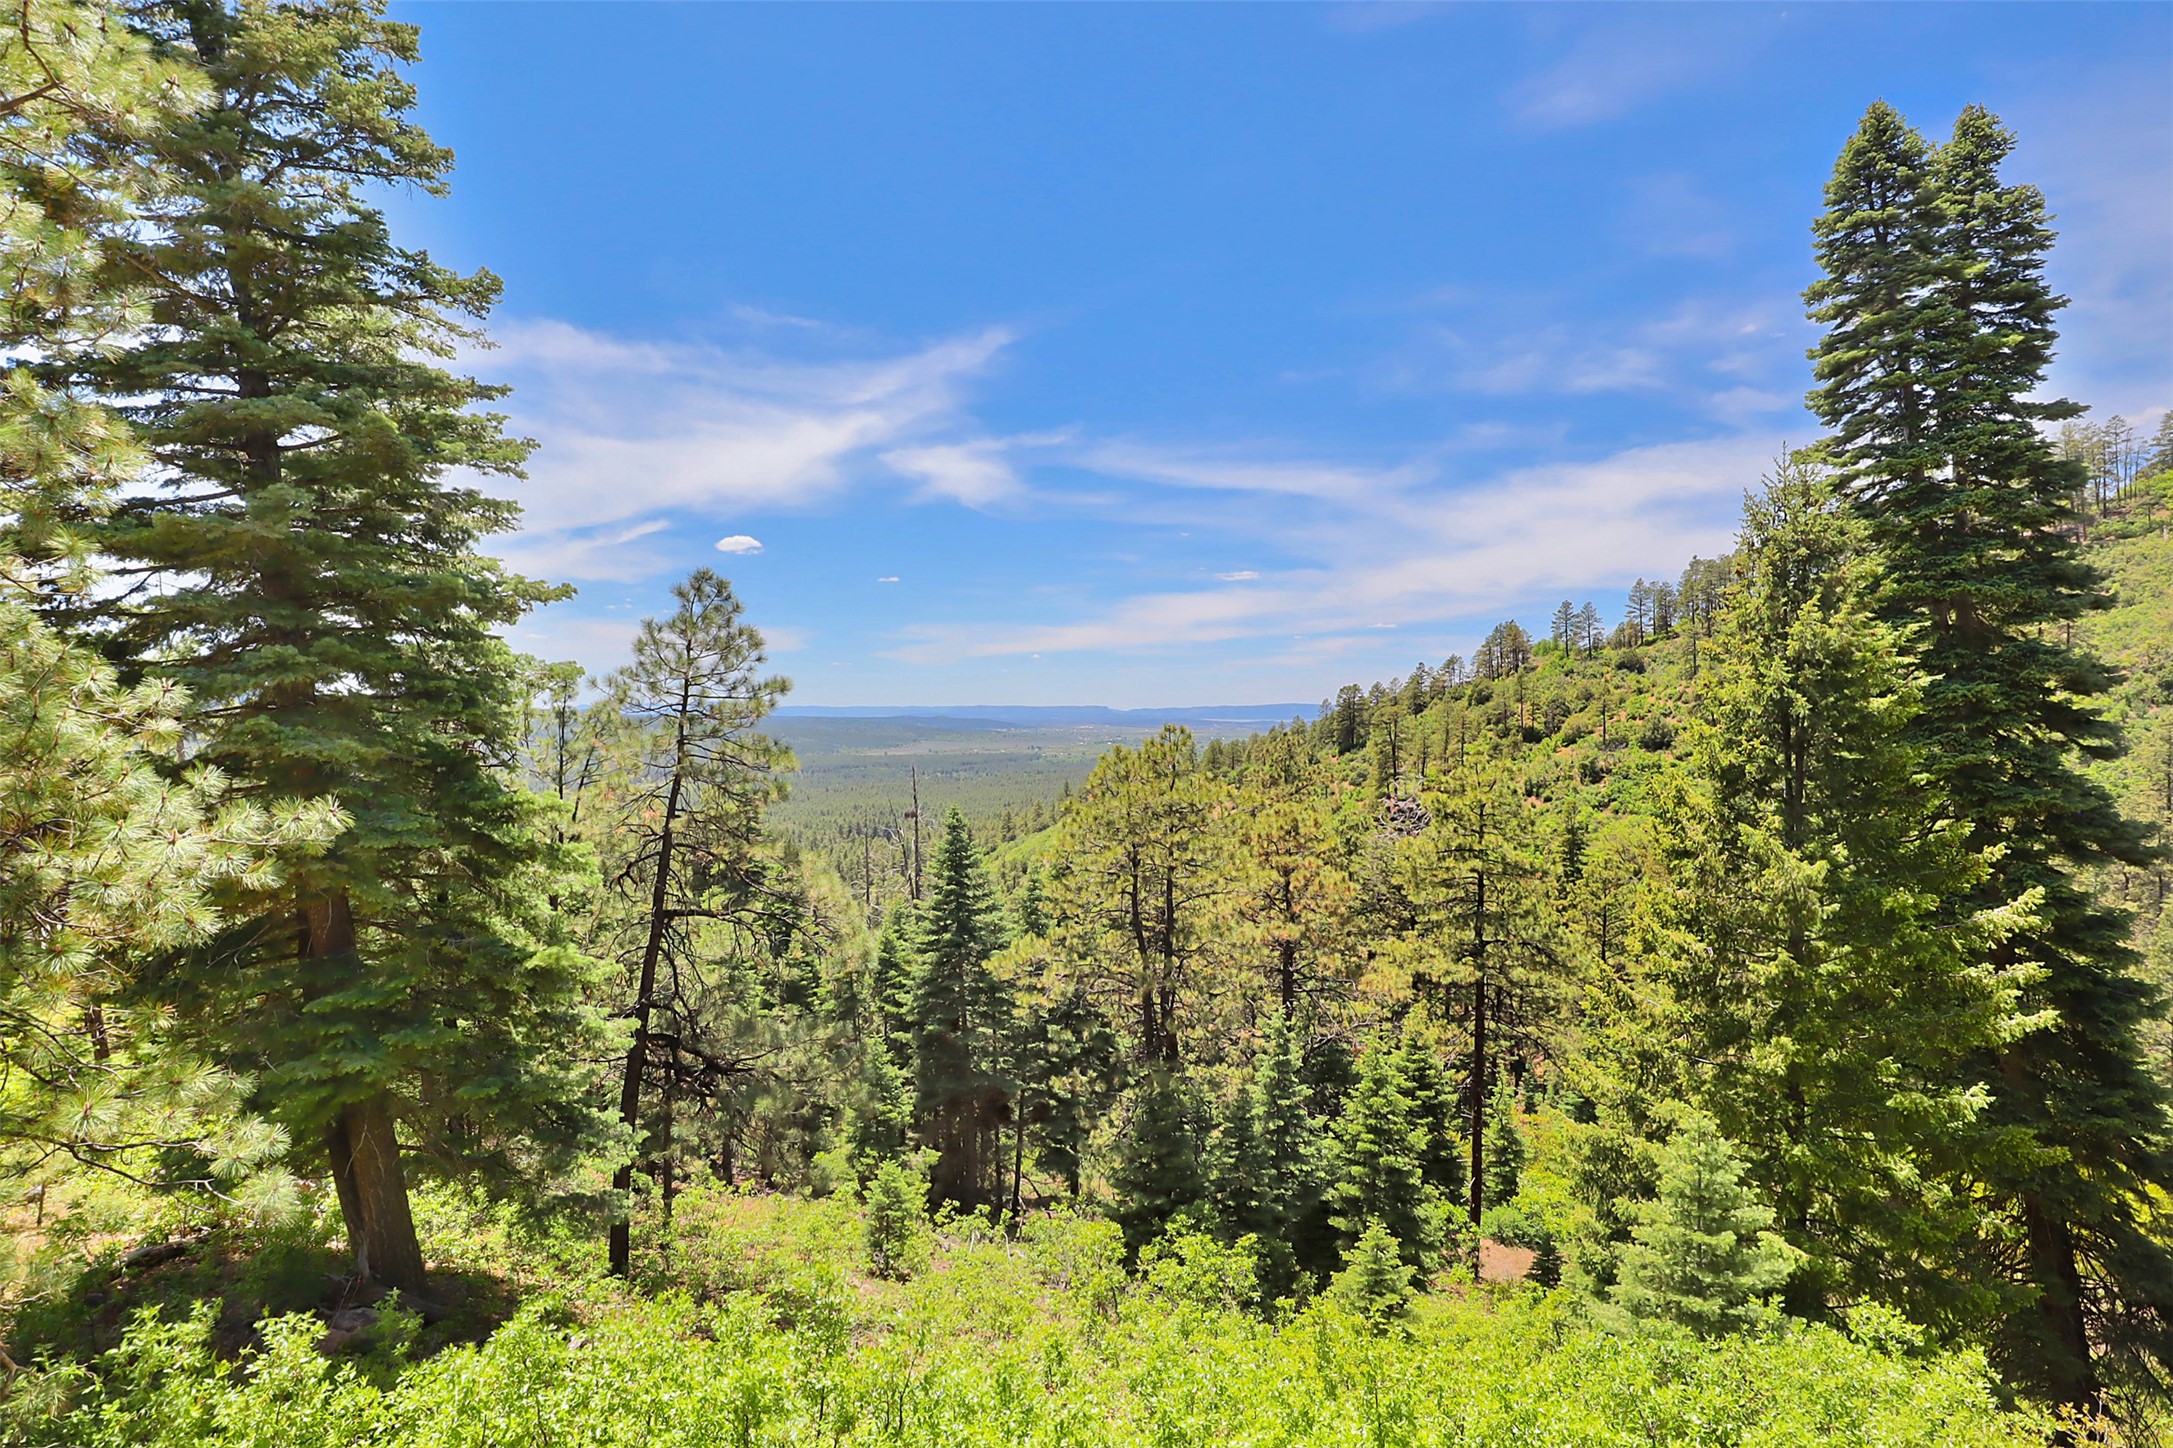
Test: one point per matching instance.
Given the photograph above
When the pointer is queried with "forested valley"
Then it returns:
(1737, 1022)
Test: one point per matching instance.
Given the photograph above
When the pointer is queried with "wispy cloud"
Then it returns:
(976, 473)
(633, 431)
(1610, 69)
(1423, 554)
(1706, 354)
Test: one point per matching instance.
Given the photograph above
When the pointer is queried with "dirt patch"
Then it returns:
(1499, 1262)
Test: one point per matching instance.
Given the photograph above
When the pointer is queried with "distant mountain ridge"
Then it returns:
(1030, 716)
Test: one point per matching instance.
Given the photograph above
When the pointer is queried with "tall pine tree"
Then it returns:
(303, 564)
(1939, 329)
(962, 1017)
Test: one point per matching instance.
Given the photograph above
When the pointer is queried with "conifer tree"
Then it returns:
(1158, 1171)
(1505, 1145)
(686, 826)
(1820, 939)
(1144, 866)
(961, 1018)
(1939, 328)
(1377, 1284)
(1292, 892)
(106, 858)
(1270, 1164)
(1434, 1109)
(302, 565)
(1486, 936)
(1700, 1255)
(1378, 1151)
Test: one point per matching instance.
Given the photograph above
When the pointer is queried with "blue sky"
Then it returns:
(1156, 354)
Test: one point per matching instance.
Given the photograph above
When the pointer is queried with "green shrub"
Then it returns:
(897, 1218)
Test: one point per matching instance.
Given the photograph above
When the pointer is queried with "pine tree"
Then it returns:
(686, 827)
(1563, 627)
(1486, 937)
(1144, 867)
(1158, 1172)
(301, 565)
(1378, 1150)
(1819, 938)
(1700, 1255)
(107, 858)
(1940, 327)
(961, 1017)
(1506, 1150)
(1291, 891)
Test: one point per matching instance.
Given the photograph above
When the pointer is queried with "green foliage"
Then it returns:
(1157, 1173)
(1939, 332)
(1379, 1179)
(1022, 1345)
(963, 1017)
(1376, 1285)
(1701, 1256)
(1505, 1147)
(896, 1201)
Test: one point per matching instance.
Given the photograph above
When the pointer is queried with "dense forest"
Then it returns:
(1742, 1021)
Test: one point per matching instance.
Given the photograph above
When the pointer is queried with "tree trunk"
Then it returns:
(637, 1055)
(1478, 1099)
(2070, 1377)
(361, 1143)
(373, 1195)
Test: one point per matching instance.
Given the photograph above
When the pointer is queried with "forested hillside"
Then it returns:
(1739, 1022)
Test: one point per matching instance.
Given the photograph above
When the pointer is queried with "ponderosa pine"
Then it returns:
(686, 829)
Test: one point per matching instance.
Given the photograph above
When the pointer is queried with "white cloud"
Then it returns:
(630, 431)
(888, 578)
(1243, 575)
(975, 473)
(739, 543)
(1611, 69)
(1433, 554)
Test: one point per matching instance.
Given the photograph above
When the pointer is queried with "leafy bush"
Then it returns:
(1026, 1344)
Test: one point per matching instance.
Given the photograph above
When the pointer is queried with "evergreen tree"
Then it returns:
(890, 984)
(961, 1018)
(1486, 937)
(1820, 938)
(686, 829)
(301, 564)
(1700, 1255)
(1158, 1172)
(1378, 1151)
(106, 858)
(1291, 892)
(1270, 1164)
(1377, 1284)
(1939, 329)
(1506, 1150)
(1434, 1108)
(1563, 627)
(1143, 856)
